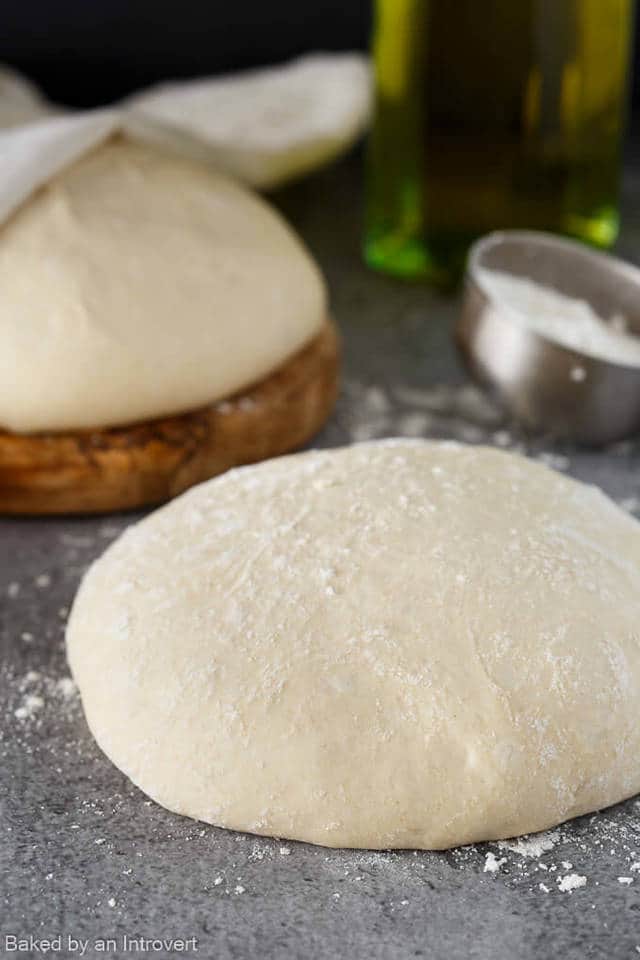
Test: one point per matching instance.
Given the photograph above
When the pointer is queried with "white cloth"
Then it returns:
(263, 127)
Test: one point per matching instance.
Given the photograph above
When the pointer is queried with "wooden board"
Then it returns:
(90, 471)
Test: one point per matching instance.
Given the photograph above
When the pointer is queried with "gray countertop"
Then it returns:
(84, 854)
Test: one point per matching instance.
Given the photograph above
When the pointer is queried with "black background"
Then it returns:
(90, 52)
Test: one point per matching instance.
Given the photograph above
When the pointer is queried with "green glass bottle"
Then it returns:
(493, 114)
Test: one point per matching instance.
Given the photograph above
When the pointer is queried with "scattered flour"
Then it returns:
(36, 688)
(31, 704)
(572, 881)
(66, 687)
(533, 845)
(460, 412)
(492, 864)
(259, 851)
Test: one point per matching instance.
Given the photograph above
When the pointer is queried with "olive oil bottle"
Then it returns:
(493, 114)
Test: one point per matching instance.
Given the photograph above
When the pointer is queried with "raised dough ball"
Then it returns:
(137, 285)
(395, 644)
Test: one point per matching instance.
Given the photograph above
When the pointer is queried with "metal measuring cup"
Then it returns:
(534, 376)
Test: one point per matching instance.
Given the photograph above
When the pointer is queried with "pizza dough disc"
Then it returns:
(395, 644)
(137, 285)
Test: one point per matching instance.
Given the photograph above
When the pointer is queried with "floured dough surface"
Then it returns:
(395, 644)
(137, 285)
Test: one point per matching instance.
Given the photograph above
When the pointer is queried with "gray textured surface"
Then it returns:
(83, 853)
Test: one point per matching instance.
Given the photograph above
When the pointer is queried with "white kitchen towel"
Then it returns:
(264, 127)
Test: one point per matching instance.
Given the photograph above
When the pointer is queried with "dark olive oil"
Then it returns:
(493, 114)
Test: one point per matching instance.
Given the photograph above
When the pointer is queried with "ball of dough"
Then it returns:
(394, 644)
(137, 285)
